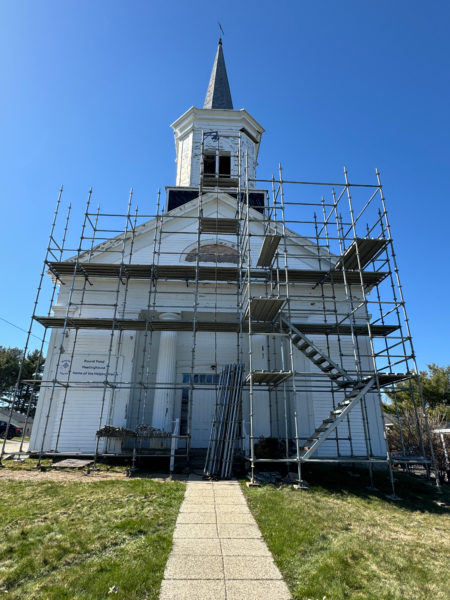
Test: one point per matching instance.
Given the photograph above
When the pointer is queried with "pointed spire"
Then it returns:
(218, 94)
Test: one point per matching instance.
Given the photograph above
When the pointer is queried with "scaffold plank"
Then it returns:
(263, 309)
(136, 324)
(150, 271)
(385, 379)
(341, 329)
(370, 278)
(268, 249)
(208, 326)
(366, 248)
(213, 273)
(71, 463)
(261, 377)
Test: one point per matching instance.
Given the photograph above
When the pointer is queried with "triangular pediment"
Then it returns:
(174, 234)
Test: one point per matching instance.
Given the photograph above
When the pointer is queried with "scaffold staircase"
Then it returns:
(317, 356)
(357, 391)
(329, 424)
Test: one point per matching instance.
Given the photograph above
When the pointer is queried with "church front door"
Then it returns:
(203, 408)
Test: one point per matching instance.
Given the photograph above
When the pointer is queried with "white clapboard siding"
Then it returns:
(80, 421)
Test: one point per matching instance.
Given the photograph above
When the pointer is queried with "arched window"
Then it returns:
(214, 253)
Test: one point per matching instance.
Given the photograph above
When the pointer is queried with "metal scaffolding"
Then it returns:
(312, 285)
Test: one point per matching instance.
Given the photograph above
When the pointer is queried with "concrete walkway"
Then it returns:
(12, 446)
(218, 552)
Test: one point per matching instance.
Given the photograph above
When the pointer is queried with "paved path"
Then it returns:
(218, 552)
(13, 446)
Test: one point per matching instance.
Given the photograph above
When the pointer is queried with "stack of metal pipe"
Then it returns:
(220, 454)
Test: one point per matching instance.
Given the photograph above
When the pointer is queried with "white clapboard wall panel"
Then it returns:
(80, 420)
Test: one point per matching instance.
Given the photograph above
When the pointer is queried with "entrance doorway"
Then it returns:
(203, 407)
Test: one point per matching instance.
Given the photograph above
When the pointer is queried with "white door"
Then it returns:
(203, 409)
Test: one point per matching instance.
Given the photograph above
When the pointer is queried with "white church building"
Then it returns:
(242, 315)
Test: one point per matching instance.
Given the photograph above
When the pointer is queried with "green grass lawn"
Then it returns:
(353, 543)
(75, 540)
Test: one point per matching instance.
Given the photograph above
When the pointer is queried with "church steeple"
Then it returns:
(216, 144)
(218, 94)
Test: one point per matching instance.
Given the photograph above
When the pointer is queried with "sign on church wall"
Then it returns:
(89, 367)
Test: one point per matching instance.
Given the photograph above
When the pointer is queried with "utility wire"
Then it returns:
(21, 329)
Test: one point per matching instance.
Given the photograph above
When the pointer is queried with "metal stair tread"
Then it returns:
(320, 361)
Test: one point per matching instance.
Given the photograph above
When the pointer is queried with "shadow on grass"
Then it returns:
(415, 494)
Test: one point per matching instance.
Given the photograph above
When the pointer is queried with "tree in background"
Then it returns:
(27, 391)
(409, 431)
(435, 385)
(9, 368)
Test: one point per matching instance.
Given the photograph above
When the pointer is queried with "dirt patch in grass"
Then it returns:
(350, 543)
(76, 537)
(55, 475)
(27, 470)
(74, 475)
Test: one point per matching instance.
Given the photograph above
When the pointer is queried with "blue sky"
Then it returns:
(89, 89)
